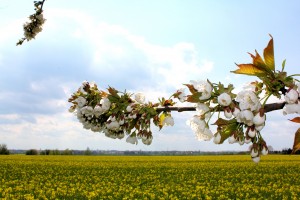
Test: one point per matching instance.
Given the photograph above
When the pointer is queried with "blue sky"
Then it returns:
(142, 46)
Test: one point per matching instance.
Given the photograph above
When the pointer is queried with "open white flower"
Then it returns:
(248, 100)
(224, 99)
(87, 111)
(236, 112)
(204, 87)
(196, 124)
(246, 117)
(140, 98)
(113, 125)
(291, 108)
(105, 104)
(203, 109)
(291, 96)
(182, 96)
(205, 135)
(81, 101)
(98, 110)
(168, 121)
(132, 140)
(199, 128)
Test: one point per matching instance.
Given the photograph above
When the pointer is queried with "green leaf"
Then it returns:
(296, 145)
(269, 55)
(283, 65)
(222, 122)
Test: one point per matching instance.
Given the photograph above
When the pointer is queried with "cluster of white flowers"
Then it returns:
(95, 117)
(246, 109)
(32, 28)
(292, 101)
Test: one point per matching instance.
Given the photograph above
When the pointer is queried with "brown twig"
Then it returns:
(268, 108)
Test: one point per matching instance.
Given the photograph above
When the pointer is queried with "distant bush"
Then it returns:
(3, 149)
(32, 152)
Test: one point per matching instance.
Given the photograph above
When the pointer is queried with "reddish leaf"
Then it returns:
(258, 61)
(296, 120)
(194, 98)
(249, 69)
(296, 146)
(269, 55)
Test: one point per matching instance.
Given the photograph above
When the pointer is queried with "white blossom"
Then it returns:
(98, 110)
(264, 151)
(248, 100)
(254, 153)
(256, 159)
(168, 121)
(182, 96)
(203, 109)
(129, 108)
(246, 117)
(252, 133)
(231, 139)
(291, 96)
(205, 135)
(224, 99)
(204, 87)
(260, 127)
(105, 104)
(247, 140)
(132, 140)
(81, 101)
(87, 111)
(227, 114)
(291, 108)
(236, 112)
(298, 87)
(147, 140)
(199, 128)
(113, 125)
(140, 98)
(217, 138)
(258, 120)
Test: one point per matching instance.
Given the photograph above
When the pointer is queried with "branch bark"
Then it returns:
(268, 108)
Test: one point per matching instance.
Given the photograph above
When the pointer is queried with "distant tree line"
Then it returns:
(4, 151)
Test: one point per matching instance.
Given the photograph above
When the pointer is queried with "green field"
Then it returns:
(149, 177)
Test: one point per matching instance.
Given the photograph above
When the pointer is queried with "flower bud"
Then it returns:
(252, 132)
(227, 113)
(254, 152)
(256, 159)
(224, 99)
(231, 139)
(264, 151)
(217, 138)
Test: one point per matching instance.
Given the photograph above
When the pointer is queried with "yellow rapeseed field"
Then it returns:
(149, 177)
